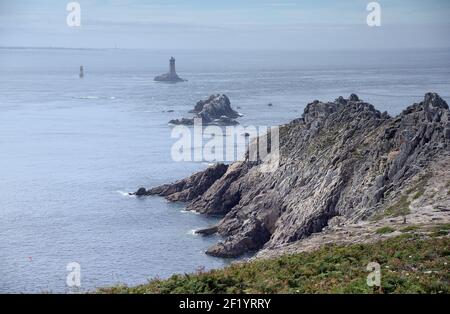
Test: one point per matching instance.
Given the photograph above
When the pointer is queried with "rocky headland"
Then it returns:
(346, 170)
(215, 110)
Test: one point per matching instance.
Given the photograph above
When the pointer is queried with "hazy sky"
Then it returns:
(233, 24)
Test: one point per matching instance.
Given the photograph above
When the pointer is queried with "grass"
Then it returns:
(409, 264)
(419, 188)
(410, 228)
(418, 193)
(440, 230)
(384, 230)
(400, 208)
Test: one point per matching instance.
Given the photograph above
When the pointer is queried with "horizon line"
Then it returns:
(226, 49)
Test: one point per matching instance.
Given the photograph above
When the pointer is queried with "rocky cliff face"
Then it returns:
(341, 162)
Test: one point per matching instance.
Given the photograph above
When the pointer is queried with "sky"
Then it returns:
(226, 24)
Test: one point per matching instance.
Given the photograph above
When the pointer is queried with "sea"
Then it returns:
(71, 149)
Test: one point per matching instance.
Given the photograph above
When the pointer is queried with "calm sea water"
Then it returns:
(70, 149)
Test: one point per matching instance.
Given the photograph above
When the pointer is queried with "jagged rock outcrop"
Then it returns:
(207, 231)
(215, 110)
(341, 161)
(189, 188)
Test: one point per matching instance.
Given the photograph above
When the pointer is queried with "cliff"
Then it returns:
(343, 163)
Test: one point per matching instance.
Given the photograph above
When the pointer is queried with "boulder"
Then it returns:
(141, 192)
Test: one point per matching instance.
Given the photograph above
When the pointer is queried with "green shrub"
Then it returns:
(409, 228)
(418, 194)
(400, 208)
(384, 230)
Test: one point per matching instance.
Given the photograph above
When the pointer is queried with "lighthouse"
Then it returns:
(172, 75)
(81, 75)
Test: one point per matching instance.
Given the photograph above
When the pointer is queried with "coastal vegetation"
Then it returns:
(409, 263)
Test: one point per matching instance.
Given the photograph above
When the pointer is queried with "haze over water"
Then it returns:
(70, 149)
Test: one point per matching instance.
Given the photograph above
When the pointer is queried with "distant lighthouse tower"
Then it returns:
(172, 73)
(81, 71)
(171, 76)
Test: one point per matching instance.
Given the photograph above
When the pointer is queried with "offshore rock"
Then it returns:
(215, 110)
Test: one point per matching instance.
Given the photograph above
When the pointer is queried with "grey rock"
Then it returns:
(141, 192)
(190, 188)
(353, 97)
(207, 231)
(168, 78)
(251, 237)
(215, 110)
(182, 121)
